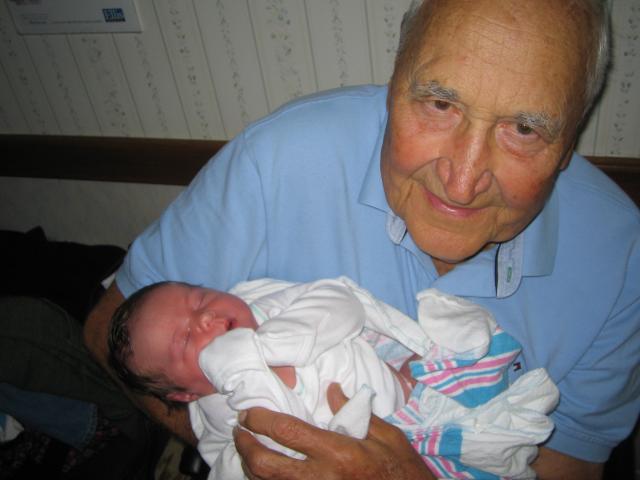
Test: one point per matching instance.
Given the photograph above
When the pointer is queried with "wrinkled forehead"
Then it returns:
(512, 28)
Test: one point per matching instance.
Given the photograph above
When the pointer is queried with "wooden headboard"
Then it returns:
(167, 162)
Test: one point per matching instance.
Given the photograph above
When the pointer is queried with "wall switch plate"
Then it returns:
(74, 16)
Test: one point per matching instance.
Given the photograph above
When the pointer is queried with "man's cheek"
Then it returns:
(409, 157)
(526, 193)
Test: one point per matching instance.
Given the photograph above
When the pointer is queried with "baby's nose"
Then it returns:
(205, 320)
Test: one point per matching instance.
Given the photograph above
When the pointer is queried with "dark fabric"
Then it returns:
(41, 350)
(67, 273)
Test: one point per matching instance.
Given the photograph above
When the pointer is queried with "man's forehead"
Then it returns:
(505, 24)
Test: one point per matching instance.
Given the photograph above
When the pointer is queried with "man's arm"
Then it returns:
(552, 465)
(95, 337)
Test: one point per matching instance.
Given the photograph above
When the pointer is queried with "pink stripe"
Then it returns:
(432, 445)
(446, 375)
(449, 364)
(404, 417)
(435, 467)
(472, 368)
(489, 380)
(495, 362)
(447, 466)
(450, 468)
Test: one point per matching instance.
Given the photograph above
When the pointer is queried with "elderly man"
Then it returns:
(459, 176)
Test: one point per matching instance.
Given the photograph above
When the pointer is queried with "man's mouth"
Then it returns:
(447, 209)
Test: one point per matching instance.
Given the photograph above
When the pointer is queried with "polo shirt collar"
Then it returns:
(530, 254)
(372, 190)
(541, 239)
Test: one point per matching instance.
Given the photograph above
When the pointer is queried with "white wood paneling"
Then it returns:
(283, 46)
(11, 118)
(23, 78)
(384, 17)
(232, 57)
(339, 39)
(184, 44)
(107, 85)
(587, 141)
(63, 84)
(149, 74)
(619, 118)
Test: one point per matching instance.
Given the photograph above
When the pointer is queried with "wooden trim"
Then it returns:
(616, 164)
(137, 160)
(167, 162)
(624, 171)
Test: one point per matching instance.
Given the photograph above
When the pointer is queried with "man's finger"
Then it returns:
(336, 397)
(384, 432)
(378, 428)
(289, 431)
(260, 462)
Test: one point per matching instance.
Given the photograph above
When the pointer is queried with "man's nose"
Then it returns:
(464, 169)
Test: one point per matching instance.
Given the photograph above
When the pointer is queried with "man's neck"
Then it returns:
(442, 267)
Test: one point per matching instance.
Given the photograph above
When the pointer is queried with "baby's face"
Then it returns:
(175, 323)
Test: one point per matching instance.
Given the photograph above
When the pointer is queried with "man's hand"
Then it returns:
(384, 454)
(95, 336)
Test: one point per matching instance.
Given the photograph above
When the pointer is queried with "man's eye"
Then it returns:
(524, 129)
(441, 105)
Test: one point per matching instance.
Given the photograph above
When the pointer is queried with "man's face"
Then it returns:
(174, 323)
(481, 123)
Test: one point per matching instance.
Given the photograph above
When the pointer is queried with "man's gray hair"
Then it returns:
(598, 61)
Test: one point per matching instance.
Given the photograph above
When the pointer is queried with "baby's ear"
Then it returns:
(182, 397)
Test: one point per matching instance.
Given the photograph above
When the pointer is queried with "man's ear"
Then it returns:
(182, 397)
(567, 156)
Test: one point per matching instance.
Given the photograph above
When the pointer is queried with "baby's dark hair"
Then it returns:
(120, 351)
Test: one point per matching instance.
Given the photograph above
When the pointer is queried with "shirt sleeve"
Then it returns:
(206, 236)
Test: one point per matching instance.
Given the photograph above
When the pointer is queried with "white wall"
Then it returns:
(86, 212)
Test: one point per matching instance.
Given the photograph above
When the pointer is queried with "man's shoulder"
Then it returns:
(592, 196)
(318, 115)
(582, 182)
(334, 133)
(343, 99)
(599, 238)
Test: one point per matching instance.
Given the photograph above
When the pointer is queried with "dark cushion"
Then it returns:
(67, 273)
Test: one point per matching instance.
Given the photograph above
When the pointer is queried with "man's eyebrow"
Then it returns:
(432, 88)
(539, 120)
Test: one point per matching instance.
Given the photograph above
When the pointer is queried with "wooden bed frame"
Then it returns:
(167, 162)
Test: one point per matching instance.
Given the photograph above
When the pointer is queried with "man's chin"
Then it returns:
(446, 260)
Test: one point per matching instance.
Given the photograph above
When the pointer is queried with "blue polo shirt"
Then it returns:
(298, 196)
